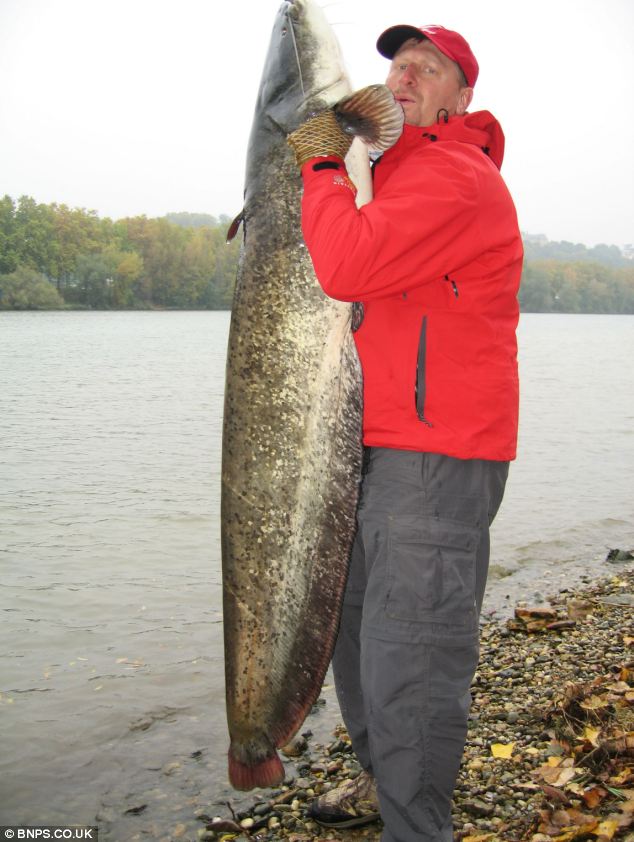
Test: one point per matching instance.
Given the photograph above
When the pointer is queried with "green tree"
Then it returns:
(36, 244)
(127, 268)
(8, 239)
(27, 289)
(91, 281)
(224, 279)
(76, 232)
(536, 294)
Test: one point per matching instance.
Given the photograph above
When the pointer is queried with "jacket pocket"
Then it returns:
(421, 374)
(431, 570)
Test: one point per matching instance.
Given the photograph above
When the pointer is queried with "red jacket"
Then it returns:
(435, 259)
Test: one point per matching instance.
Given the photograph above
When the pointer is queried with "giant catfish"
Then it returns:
(292, 448)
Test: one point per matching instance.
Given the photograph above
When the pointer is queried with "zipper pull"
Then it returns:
(453, 285)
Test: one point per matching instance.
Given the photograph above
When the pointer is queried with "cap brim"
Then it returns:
(393, 38)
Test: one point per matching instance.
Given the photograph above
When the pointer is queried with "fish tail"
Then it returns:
(254, 765)
(373, 115)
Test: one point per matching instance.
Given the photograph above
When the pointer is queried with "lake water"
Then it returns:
(111, 686)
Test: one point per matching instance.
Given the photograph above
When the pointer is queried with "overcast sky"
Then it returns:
(144, 106)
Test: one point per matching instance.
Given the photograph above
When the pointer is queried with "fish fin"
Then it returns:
(247, 772)
(373, 115)
(235, 226)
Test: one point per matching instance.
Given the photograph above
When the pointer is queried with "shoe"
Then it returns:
(352, 803)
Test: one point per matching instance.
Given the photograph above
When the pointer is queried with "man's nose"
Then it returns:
(408, 76)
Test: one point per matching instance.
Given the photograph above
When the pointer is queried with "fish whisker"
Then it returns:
(299, 65)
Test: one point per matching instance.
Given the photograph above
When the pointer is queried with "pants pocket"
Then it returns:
(431, 570)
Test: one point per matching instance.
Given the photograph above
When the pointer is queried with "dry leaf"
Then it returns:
(555, 776)
(621, 745)
(623, 777)
(619, 687)
(502, 750)
(594, 796)
(591, 735)
(594, 703)
(580, 832)
(606, 829)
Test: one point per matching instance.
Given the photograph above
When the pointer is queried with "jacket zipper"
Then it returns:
(453, 285)
(420, 374)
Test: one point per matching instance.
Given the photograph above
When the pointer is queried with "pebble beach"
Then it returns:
(550, 749)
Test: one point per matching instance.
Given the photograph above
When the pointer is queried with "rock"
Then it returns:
(170, 768)
(296, 747)
(477, 807)
(618, 599)
(619, 555)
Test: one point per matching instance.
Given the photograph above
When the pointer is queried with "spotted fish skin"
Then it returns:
(291, 458)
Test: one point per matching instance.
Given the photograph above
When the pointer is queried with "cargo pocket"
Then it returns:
(431, 570)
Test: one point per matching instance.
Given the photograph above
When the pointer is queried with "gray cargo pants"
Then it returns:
(407, 647)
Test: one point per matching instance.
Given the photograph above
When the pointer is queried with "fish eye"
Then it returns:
(284, 31)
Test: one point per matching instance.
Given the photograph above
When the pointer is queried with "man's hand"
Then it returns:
(319, 136)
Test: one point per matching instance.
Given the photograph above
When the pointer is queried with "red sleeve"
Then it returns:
(427, 210)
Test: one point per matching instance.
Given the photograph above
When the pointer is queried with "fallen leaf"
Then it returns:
(594, 703)
(624, 776)
(591, 735)
(606, 829)
(502, 750)
(580, 832)
(555, 776)
(619, 687)
(621, 745)
(594, 796)
(555, 795)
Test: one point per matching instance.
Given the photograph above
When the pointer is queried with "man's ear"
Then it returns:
(464, 100)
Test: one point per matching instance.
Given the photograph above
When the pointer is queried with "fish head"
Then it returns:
(304, 70)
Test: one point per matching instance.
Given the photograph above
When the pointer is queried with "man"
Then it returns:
(433, 263)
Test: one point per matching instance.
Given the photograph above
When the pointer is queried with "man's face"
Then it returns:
(424, 80)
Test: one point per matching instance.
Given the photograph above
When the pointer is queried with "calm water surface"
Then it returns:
(111, 684)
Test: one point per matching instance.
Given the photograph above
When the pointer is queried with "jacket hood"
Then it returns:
(479, 128)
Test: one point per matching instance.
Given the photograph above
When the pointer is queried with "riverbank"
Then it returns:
(550, 751)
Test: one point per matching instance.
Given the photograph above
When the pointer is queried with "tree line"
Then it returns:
(53, 256)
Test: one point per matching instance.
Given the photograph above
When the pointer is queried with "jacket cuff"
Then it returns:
(323, 163)
(327, 172)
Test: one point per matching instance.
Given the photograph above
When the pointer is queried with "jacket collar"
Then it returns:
(479, 129)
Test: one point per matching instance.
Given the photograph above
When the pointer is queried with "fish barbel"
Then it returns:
(292, 449)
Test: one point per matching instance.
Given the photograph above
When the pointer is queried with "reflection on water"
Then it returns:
(112, 681)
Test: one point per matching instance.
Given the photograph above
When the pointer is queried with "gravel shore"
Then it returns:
(550, 751)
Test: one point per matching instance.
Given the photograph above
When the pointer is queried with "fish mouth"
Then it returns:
(294, 8)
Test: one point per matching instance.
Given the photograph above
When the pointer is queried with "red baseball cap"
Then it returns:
(450, 43)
